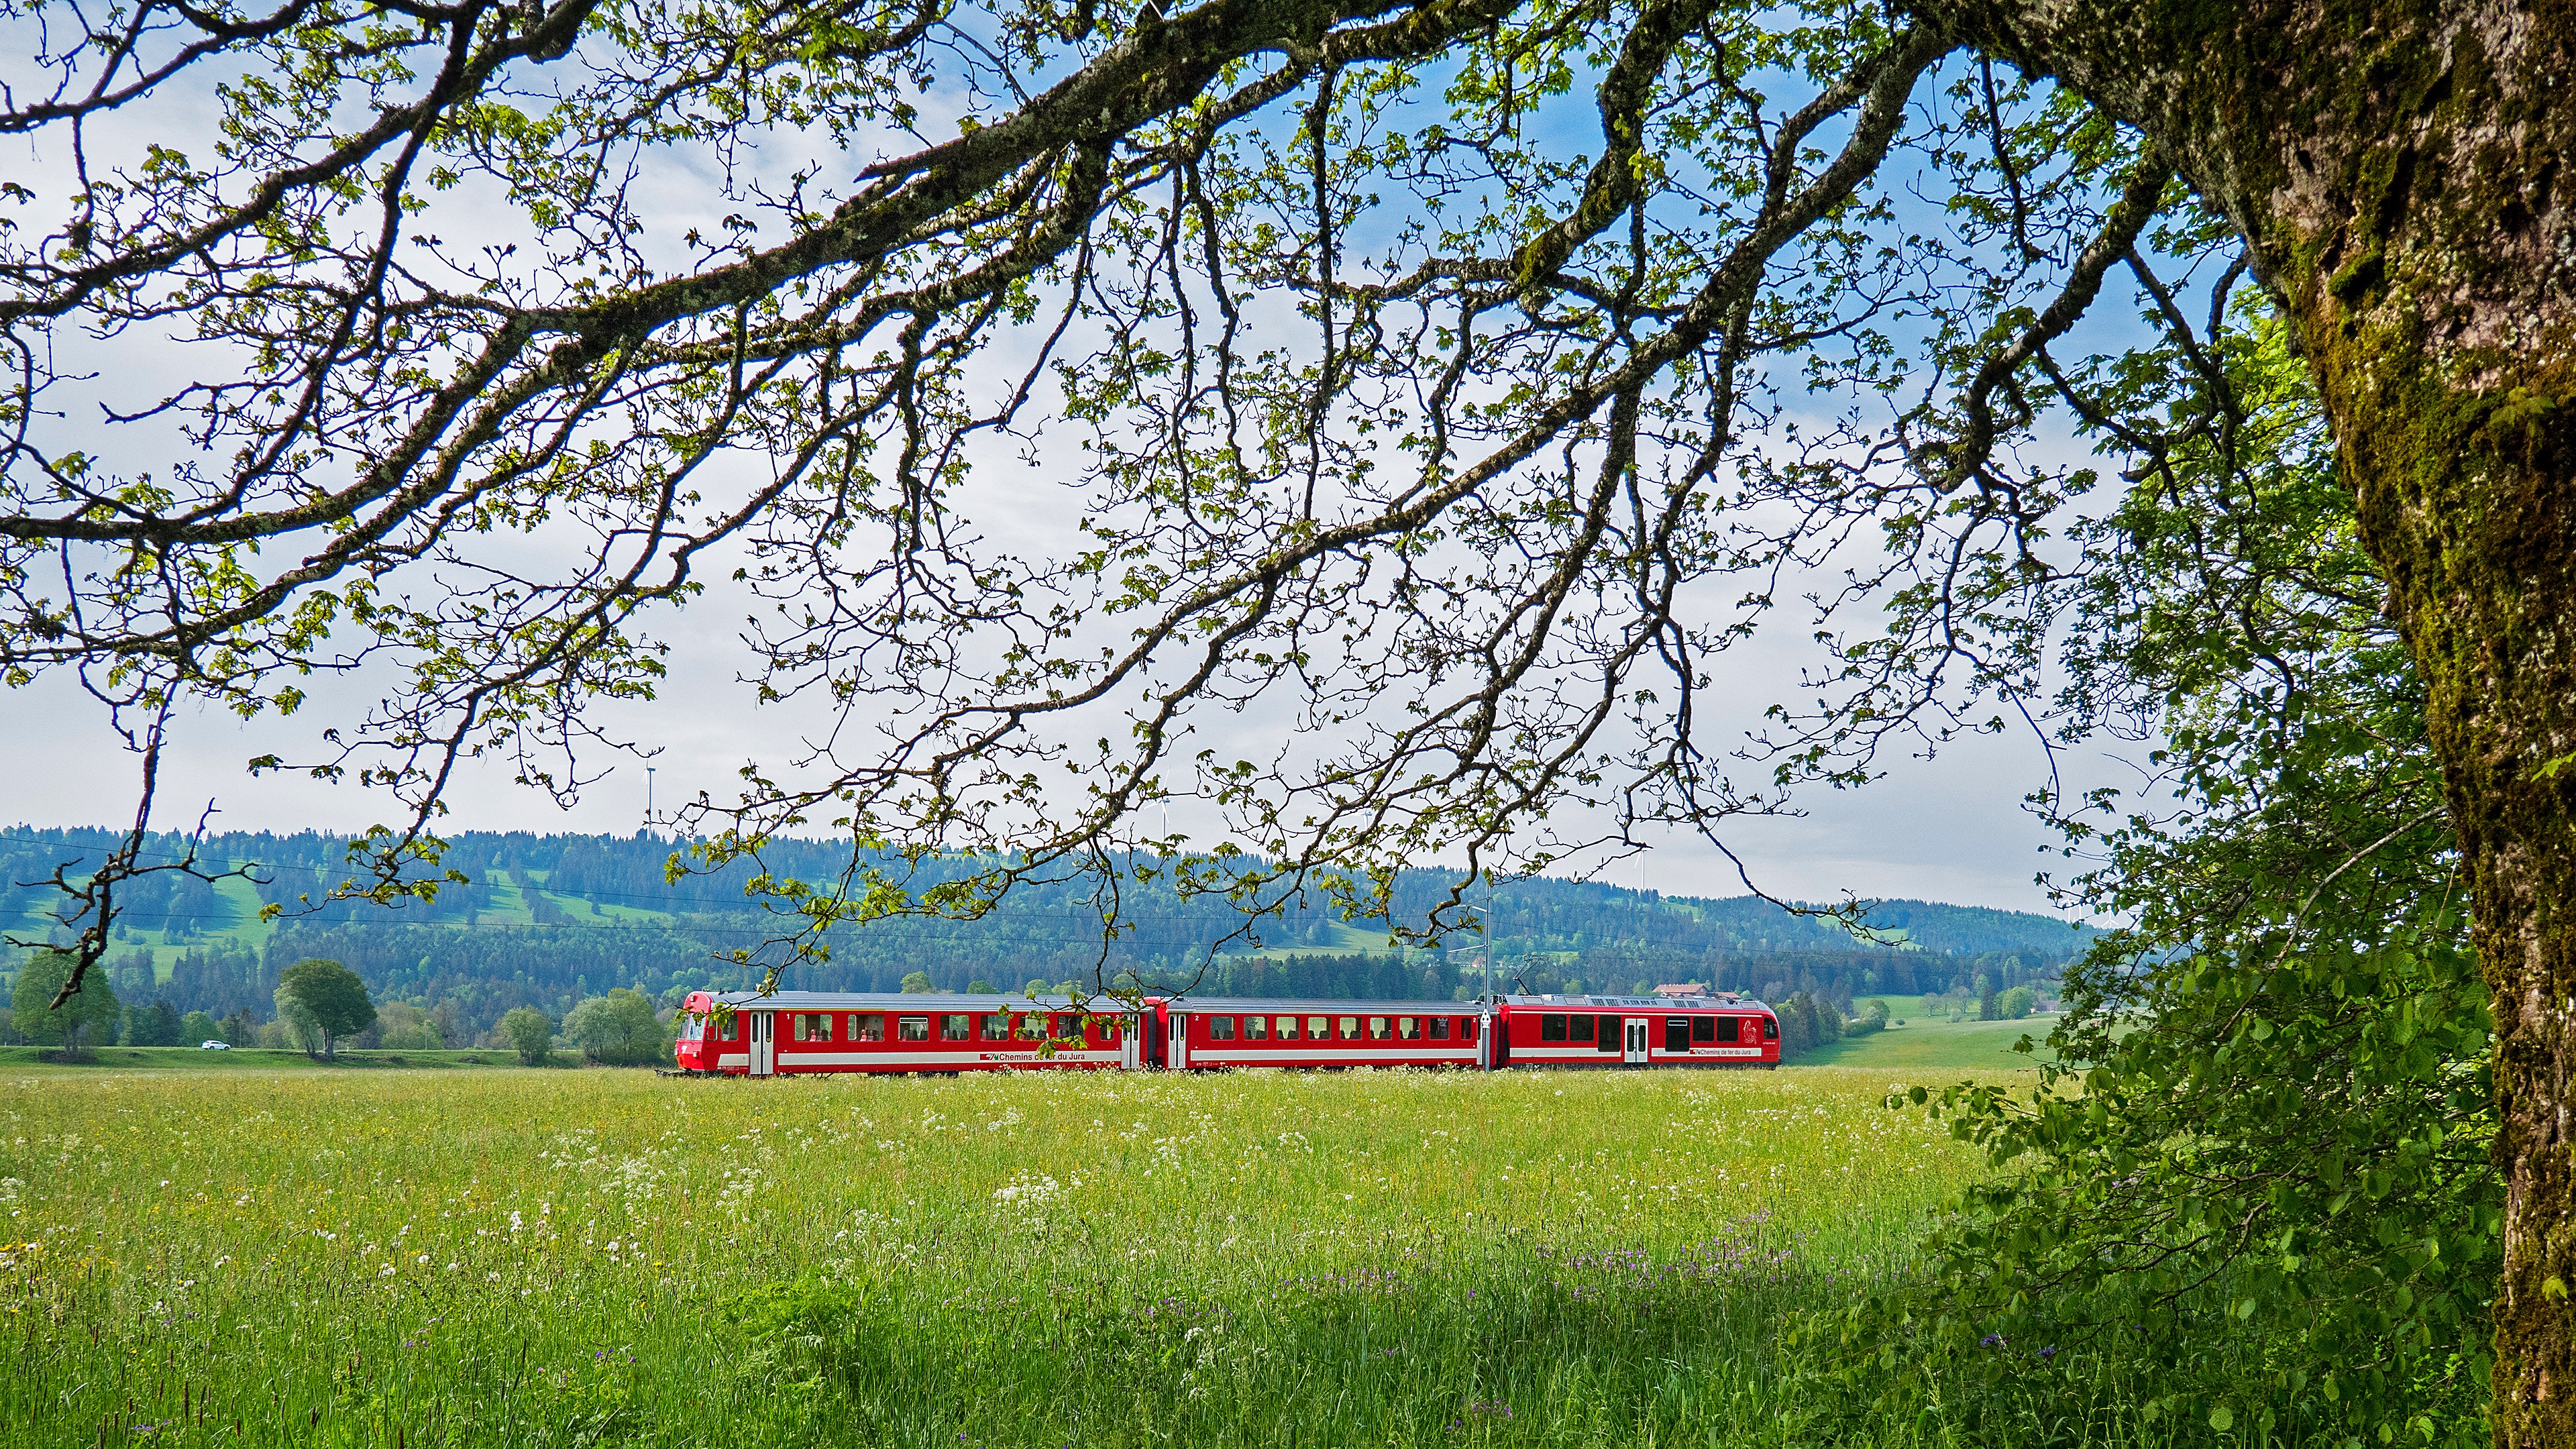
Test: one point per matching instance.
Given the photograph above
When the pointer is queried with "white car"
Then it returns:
(214, 1046)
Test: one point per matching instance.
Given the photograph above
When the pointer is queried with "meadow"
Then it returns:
(1939, 1050)
(521, 1257)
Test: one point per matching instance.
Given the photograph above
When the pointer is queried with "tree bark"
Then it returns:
(2406, 177)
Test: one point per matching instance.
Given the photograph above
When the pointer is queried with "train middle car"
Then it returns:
(1205, 1033)
(800, 1032)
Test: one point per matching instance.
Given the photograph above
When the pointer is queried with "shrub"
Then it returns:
(619, 1029)
(530, 1033)
(78, 1024)
(154, 1025)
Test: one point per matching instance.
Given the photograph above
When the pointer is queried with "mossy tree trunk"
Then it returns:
(2406, 175)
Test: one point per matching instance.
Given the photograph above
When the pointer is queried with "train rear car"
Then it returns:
(1722, 1030)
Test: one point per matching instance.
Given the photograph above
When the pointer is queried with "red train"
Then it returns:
(792, 1033)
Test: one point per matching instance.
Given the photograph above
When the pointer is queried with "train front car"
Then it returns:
(1211, 1033)
(708, 1031)
(793, 1033)
(1720, 1030)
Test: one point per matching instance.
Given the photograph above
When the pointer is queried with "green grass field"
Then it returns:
(515, 1257)
(1934, 1047)
(253, 1059)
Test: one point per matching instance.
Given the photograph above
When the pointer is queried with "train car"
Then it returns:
(1721, 1030)
(1208, 1033)
(789, 1033)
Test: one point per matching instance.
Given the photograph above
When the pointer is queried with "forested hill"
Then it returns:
(547, 919)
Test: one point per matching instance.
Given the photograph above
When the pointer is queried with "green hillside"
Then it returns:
(545, 920)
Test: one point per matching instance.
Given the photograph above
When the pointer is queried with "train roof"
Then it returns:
(1290, 1005)
(912, 1001)
(1719, 1001)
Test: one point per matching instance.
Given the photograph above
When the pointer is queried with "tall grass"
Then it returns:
(1031, 1260)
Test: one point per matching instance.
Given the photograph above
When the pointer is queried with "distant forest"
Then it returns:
(549, 919)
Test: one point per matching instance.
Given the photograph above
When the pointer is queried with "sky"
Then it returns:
(1952, 828)
(1949, 829)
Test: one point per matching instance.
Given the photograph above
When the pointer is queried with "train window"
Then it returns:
(813, 1026)
(1726, 1026)
(1703, 1029)
(1377, 1028)
(1032, 1026)
(1287, 1028)
(957, 1027)
(730, 1027)
(1256, 1028)
(1439, 1028)
(1409, 1027)
(1067, 1028)
(912, 1028)
(867, 1026)
(1552, 1027)
(1319, 1028)
(1677, 1033)
(1466, 1028)
(997, 1026)
(1583, 1026)
(1770, 1028)
(1108, 1033)
(1611, 1031)
(1220, 1028)
(1351, 1028)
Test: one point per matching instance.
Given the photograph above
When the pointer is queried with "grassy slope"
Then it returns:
(1967, 1046)
(534, 1258)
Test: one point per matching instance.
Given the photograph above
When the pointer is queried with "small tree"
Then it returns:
(1990, 1007)
(1037, 987)
(154, 1025)
(2014, 1005)
(406, 1025)
(296, 1025)
(917, 982)
(327, 999)
(240, 1028)
(530, 1032)
(79, 1023)
(619, 1028)
(198, 1027)
(982, 988)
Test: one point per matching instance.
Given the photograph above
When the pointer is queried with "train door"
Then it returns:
(1178, 1056)
(1131, 1044)
(1638, 1029)
(764, 1045)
